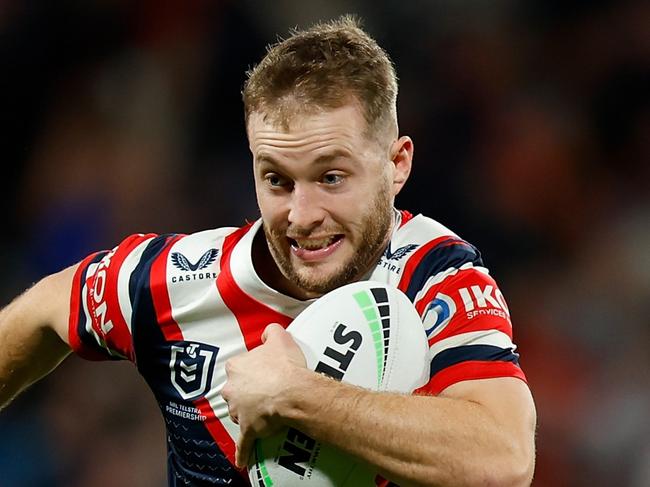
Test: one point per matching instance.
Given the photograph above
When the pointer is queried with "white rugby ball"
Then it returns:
(367, 334)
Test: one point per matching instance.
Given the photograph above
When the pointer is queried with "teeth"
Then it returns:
(314, 244)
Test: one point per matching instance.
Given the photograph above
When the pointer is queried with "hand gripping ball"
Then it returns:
(367, 334)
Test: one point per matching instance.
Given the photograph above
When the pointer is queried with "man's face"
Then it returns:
(325, 192)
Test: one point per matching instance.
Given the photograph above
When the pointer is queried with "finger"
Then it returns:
(243, 451)
(272, 330)
(233, 414)
(228, 367)
(225, 391)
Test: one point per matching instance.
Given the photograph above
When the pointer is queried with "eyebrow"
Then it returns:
(322, 159)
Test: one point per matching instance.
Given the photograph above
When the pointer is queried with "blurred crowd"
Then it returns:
(531, 124)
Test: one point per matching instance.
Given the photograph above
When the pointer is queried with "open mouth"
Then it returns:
(315, 248)
(312, 244)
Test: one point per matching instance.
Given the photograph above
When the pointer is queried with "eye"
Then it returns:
(332, 178)
(274, 180)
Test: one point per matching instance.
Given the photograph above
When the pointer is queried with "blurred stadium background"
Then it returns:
(531, 125)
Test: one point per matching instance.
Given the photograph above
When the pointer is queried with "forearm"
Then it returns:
(411, 440)
(29, 347)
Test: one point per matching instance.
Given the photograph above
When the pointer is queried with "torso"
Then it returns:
(184, 305)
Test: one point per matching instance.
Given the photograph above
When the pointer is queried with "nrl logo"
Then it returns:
(191, 365)
(184, 264)
(400, 252)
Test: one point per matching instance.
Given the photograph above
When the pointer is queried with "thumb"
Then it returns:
(272, 330)
(282, 338)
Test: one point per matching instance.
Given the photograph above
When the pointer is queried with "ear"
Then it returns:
(401, 155)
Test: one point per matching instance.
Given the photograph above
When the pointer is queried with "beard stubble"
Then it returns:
(375, 225)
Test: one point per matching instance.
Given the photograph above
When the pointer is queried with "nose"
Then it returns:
(306, 209)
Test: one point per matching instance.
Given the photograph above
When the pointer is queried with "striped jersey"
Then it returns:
(179, 306)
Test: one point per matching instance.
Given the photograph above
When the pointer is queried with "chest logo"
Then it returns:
(390, 259)
(184, 264)
(400, 252)
(191, 366)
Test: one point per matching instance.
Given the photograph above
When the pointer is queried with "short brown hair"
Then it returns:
(322, 67)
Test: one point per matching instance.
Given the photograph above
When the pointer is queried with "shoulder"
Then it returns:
(198, 255)
(421, 229)
(115, 291)
(420, 247)
(215, 235)
(427, 242)
(432, 249)
(206, 244)
(144, 260)
(142, 249)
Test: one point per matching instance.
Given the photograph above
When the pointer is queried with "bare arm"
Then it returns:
(34, 333)
(475, 433)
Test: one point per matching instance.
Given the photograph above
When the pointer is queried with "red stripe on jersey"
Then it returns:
(173, 332)
(416, 258)
(160, 294)
(119, 337)
(216, 429)
(470, 370)
(406, 216)
(74, 340)
(252, 315)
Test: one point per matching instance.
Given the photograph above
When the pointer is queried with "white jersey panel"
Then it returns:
(201, 313)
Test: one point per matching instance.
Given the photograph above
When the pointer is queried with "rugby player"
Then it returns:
(203, 315)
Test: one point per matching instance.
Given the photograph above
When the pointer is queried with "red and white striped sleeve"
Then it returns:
(104, 289)
(464, 314)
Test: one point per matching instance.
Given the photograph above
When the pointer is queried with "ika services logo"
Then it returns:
(191, 272)
(389, 259)
(485, 301)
